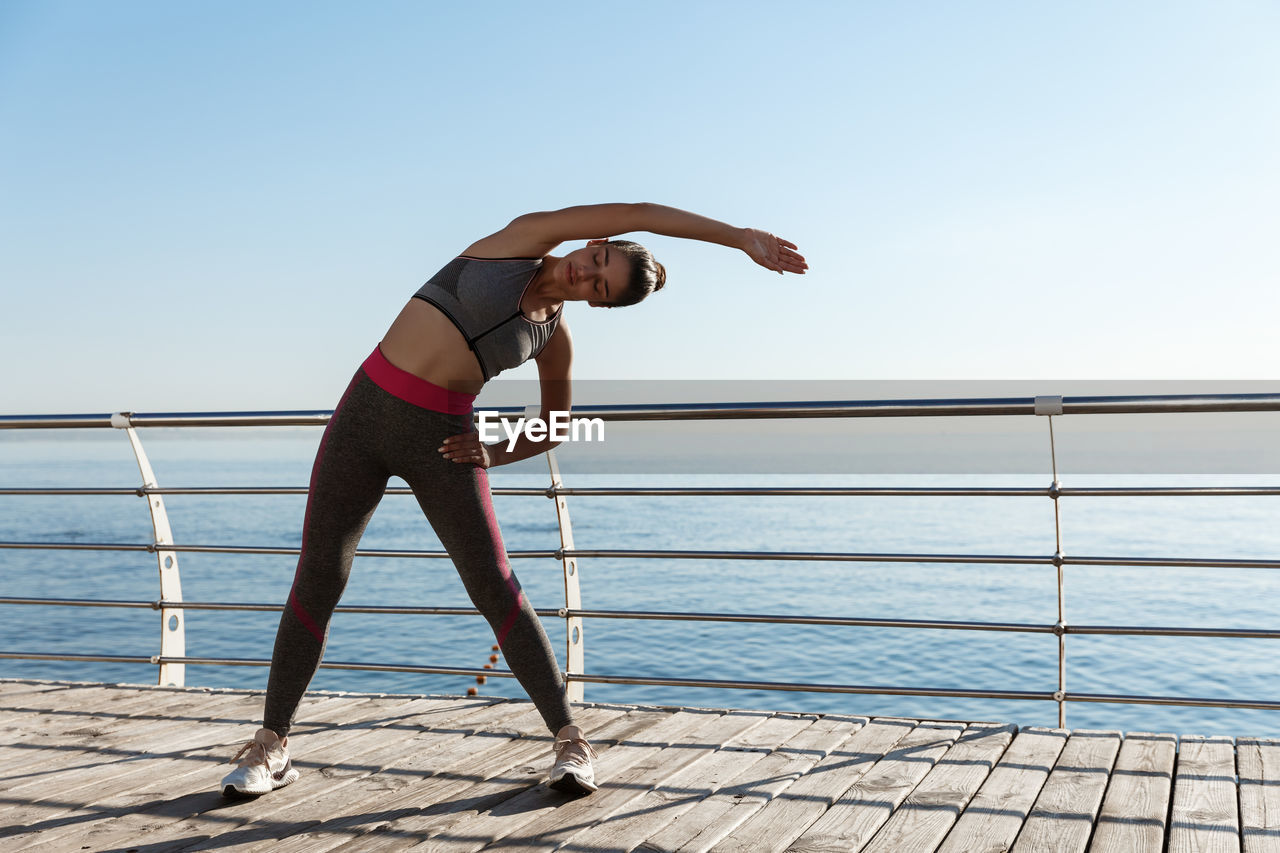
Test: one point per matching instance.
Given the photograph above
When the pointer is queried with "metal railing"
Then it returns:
(172, 657)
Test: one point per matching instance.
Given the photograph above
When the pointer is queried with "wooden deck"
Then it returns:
(97, 767)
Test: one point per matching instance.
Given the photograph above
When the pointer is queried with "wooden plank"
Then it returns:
(1136, 808)
(443, 802)
(1062, 818)
(717, 816)
(113, 742)
(929, 811)
(995, 815)
(521, 810)
(669, 802)
(862, 810)
(787, 815)
(1205, 816)
(17, 686)
(73, 704)
(447, 805)
(130, 795)
(200, 811)
(114, 762)
(353, 793)
(120, 738)
(454, 784)
(1258, 763)
(619, 792)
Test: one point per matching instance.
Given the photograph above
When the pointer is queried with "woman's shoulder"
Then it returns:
(501, 247)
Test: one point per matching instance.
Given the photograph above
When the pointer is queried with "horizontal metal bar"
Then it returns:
(1263, 705)
(814, 556)
(1169, 631)
(823, 491)
(82, 658)
(1171, 562)
(55, 421)
(366, 667)
(1169, 491)
(747, 491)
(763, 491)
(802, 687)
(162, 659)
(234, 549)
(795, 687)
(677, 616)
(77, 546)
(136, 493)
(775, 619)
(253, 607)
(782, 556)
(965, 407)
(223, 490)
(985, 559)
(83, 602)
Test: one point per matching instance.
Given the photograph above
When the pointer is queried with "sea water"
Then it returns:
(1203, 527)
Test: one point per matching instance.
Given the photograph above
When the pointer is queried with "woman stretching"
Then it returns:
(407, 413)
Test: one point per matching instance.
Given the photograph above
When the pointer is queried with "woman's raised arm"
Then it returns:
(539, 233)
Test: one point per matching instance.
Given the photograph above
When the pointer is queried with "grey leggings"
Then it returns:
(372, 436)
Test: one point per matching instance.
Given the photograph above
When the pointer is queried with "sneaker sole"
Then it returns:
(571, 784)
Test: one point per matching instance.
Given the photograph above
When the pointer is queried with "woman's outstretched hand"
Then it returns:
(468, 449)
(773, 253)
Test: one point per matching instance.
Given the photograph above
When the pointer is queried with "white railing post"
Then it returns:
(1050, 406)
(575, 647)
(173, 637)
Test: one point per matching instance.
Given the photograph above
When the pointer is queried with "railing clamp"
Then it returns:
(559, 554)
(1059, 628)
(141, 491)
(1059, 559)
(563, 613)
(551, 492)
(158, 605)
(1048, 405)
(1055, 489)
(155, 659)
(121, 420)
(1059, 696)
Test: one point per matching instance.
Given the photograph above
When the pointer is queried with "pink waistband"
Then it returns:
(414, 389)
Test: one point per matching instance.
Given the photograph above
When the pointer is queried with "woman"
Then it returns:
(407, 413)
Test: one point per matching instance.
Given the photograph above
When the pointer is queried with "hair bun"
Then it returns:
(662, 277)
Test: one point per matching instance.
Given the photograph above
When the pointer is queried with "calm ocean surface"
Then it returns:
(1241, 528)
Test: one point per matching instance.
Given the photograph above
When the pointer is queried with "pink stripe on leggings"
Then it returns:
(415, 389)
(298, 610)
(499, 556)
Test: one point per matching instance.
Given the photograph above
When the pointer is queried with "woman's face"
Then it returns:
(596, 274)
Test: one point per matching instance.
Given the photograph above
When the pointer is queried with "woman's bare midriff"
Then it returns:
(424, 342)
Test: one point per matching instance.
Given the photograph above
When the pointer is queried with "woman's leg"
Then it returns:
(347, 482)
(457, 502)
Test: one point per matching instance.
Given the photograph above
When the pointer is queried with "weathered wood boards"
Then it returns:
(100, 767)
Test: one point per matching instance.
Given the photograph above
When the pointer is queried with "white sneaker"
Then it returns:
(572, 772)
(265, 767)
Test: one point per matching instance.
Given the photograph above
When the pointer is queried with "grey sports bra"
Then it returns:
(482, 298)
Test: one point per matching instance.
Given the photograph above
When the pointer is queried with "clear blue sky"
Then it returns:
(222, 205)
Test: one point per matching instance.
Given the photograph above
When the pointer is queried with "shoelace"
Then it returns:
(562, 747)
(258, 756)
